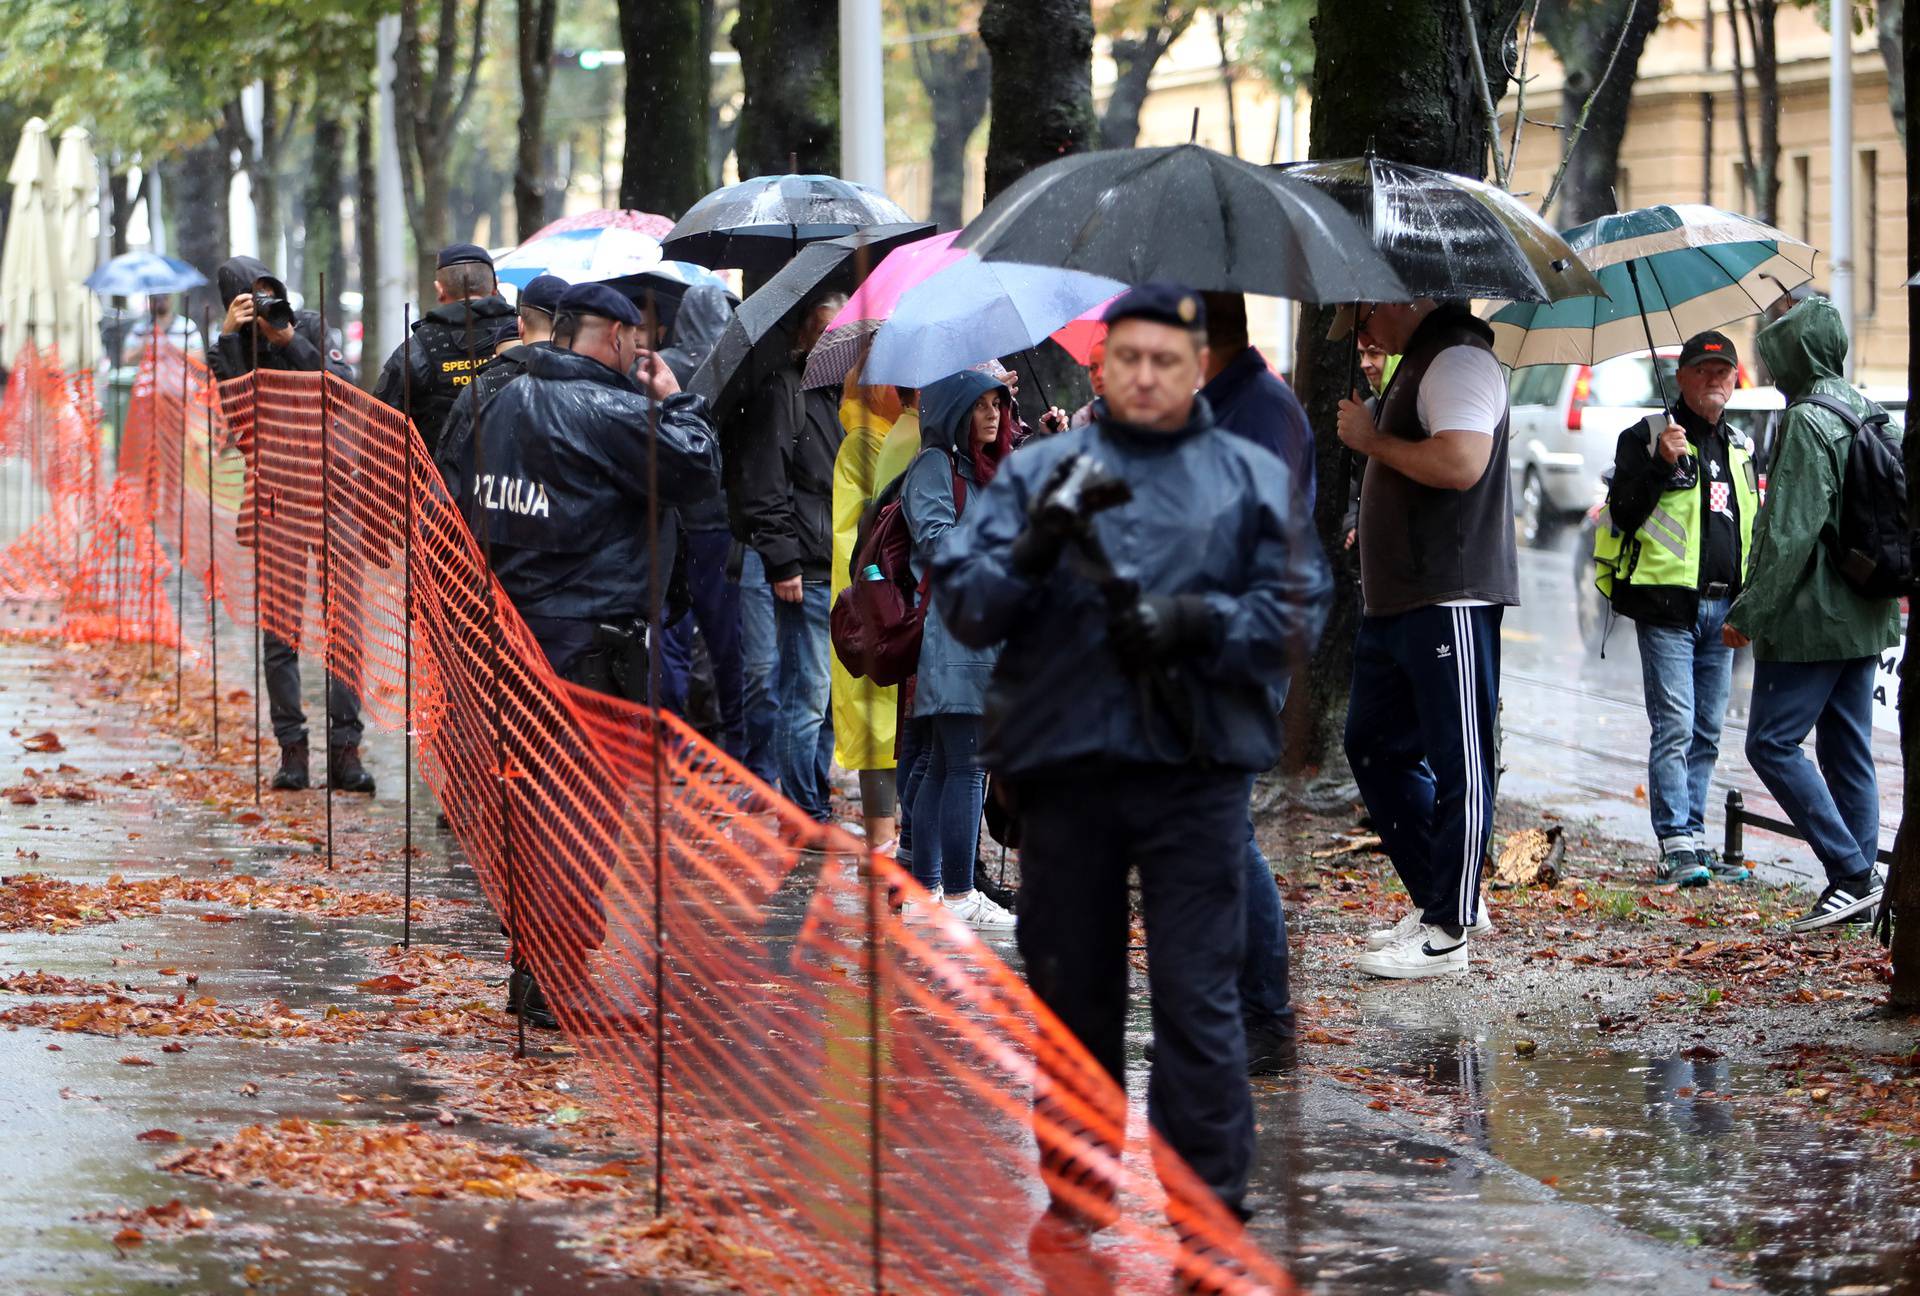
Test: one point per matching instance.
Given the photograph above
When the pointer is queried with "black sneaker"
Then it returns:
(525, 1001)
(1683, 868)
(1849, 901)
(1725, 871)
(1270, 1052)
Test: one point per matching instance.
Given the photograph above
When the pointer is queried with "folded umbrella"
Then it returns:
(762, 223)
(761, 331)
(1666, 273)
(844, 343)
(1186, 214)
(1446, 235)
(133, 274)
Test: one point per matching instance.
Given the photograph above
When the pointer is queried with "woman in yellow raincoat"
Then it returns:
(864, 714)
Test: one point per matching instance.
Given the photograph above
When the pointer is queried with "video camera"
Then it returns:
(273, 310)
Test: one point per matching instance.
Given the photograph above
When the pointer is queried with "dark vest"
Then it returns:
(1420, 545)
(452, 360)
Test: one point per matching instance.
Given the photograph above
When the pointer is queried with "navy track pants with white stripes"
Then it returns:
(1420, 737)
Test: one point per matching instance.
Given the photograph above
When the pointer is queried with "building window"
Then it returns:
(1801, 166)
(1867, 265)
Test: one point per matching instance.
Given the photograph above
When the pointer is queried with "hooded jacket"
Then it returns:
(1212, 515)
(703, 316)
(450, 347)
(780, 475)
(952, 679)
(234, 354)
(562, 491)
(1796, 607)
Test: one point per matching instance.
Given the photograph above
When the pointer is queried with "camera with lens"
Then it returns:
(273, 310)
(1081, 488)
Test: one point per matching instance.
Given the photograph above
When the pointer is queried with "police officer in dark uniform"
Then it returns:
(1149, 576)
(559, 485)
(558, 499)
(539, 302)
(451, 343)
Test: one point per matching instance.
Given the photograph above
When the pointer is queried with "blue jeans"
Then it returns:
(1836, 807)
(716, 610)
(949, 796)
(909, 749)
(759, 662)
(1685, 675)
(803, 735)
(1265, 1001)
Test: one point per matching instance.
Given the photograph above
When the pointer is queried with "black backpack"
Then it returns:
(1872, 546)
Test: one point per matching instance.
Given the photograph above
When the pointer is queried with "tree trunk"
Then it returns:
(1903, 887)
(123, 200)
(535, 24)
(324, 250)
(669, 78)
(1752, 21)
(957, 76)
(1890, 31)
(790, 61)
(1583, 36)
(1416, 102)
(430, 227)
(198, 179)
(366, 237)
(1042, 84)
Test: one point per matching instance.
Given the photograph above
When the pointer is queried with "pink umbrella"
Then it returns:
(607, 218)
(845, 339)
(1080, 335)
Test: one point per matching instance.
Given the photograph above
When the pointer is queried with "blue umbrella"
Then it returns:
(144, 273)
(978, 310)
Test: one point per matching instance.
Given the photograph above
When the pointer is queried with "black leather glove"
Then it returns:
(1037, 549)
(1158, 628)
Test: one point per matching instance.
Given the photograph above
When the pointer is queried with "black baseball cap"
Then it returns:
(598, 299)
(1163, 303)
(464, 254)
(1708, 346)
(543, 293)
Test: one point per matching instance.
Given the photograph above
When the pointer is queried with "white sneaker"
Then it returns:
(978, 912)
(910, 911)
(1428, 952)
(1410, 923)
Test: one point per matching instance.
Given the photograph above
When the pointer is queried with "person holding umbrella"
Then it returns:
(1672, 554)
(1437, 567)
(1150, 579)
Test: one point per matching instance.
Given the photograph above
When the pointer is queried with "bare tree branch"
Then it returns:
(1479, 64)
(1580, 122)
(474, 55)
(1520, 85)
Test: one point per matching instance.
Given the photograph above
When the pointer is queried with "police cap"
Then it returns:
(1708, 346)
(462, 254)
(598, 299)
(1163, 303)
(543, 293)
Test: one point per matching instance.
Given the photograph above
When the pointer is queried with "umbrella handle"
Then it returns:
(1653, 358)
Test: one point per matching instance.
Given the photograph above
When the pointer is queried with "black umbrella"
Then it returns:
(760, 224)
(761, 331)
(1187, 214)
(1450, 236)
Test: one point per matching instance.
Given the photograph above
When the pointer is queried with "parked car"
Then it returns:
(1562, 428)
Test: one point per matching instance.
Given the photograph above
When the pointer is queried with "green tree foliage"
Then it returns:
(1276, 36)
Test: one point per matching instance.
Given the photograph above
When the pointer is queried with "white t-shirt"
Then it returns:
(1465, 391)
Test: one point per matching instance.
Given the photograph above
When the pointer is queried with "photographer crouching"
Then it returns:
(1151, 577)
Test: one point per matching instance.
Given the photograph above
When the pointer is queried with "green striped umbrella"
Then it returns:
(1669, 272)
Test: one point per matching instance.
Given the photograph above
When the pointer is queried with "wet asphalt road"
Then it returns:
(1575, 732)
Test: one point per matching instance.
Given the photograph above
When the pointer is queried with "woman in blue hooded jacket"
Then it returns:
(967, 429)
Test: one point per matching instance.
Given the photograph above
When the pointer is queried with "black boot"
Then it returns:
(525, 1001)
(1270, 1052)
(292, 775)
(345, 772)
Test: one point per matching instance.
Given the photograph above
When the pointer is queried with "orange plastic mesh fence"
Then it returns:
(842, 1100)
